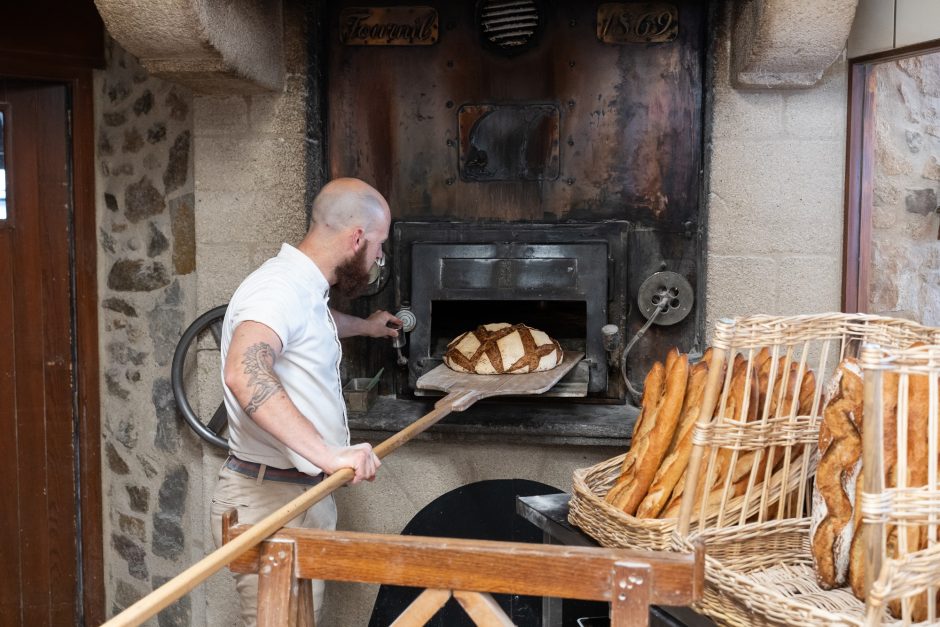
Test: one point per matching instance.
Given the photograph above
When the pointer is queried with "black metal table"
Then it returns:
(549, 513)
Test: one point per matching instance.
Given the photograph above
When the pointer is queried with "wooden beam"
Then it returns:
(301, 601)
(630, 606)
(485, 566)
(423, 608)
(482, 609)
(275, 579)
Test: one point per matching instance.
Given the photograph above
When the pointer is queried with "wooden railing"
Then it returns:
(468, 570)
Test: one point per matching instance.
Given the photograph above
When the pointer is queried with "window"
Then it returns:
(3, 172)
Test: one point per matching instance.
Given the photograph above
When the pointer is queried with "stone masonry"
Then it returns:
(905, 278)
(147, 289)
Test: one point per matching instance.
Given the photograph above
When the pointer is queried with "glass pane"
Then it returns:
(3, 175)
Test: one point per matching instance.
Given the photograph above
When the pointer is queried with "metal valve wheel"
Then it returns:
(212, 430)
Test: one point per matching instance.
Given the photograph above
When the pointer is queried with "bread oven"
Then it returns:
(565, 279)
(550, 177)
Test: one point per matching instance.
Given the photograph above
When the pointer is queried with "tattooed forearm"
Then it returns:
(263, 383)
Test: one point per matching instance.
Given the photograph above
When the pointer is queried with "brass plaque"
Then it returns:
(637, 22)
(388, 26)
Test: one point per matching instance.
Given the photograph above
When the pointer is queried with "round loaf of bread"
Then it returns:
(503, 348)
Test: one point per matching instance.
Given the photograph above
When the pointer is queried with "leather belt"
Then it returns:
(270, 473)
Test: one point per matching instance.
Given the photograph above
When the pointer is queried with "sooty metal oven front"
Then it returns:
(567, 279)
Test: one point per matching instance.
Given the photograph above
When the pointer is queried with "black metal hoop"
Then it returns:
(212, 430)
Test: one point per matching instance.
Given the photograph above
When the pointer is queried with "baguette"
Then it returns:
(737, 488)
(652, 392)
(918, 437)
(779, 399)
(677, 456)
(653, 438)
(807, 392)
(735, 409)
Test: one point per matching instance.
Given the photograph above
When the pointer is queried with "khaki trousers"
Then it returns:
(255, 499)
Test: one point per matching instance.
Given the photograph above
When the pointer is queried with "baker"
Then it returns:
(280, 369)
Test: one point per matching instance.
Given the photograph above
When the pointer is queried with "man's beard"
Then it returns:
(351, 276)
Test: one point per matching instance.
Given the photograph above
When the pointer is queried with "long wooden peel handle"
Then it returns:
(455, 401)
(207, 566)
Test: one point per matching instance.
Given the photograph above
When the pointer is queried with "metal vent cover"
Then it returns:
(509, 25)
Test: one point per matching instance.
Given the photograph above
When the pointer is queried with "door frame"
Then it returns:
(79, 80)
(859, 171)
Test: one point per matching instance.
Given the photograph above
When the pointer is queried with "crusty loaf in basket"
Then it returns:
(759, 567)
(633, 500)
(899, 498)
(613, 528)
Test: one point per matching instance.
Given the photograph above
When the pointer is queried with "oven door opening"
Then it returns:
(564, 321)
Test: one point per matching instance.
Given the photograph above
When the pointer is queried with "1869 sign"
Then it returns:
(637, 23)
(388, 26)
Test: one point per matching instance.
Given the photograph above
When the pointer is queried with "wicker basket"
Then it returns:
(613, 528)
(607, 524)
(916, 509)
(786, 336)
(759, 569)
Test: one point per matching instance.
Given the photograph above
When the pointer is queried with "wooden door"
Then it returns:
(39, 527)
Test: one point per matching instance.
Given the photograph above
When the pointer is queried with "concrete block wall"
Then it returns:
(774, 182)
(250, 171)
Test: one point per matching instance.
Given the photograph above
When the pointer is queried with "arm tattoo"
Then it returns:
(259, 366)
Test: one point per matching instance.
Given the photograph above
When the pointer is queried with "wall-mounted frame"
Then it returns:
(6, 206)
(859, 172)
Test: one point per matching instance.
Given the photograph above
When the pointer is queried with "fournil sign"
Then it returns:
(388, 26)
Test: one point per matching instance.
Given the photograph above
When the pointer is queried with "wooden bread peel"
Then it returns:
(463, 390)
(463, 386)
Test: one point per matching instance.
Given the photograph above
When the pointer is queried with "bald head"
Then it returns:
(349, 203)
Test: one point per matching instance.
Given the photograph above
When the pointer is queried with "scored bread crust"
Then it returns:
(840, 447)
(502, 348)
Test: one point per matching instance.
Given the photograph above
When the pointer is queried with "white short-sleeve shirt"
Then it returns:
(289, 294)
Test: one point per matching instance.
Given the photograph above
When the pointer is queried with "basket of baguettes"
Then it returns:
(800, 525)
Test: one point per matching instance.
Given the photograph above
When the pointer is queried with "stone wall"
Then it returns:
(774, 183)
(146, 267)
(905, 273)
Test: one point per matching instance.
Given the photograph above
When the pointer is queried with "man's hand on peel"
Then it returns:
(382, 324)
(360, 457)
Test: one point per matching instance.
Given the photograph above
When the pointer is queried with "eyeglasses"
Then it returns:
(380, 262)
